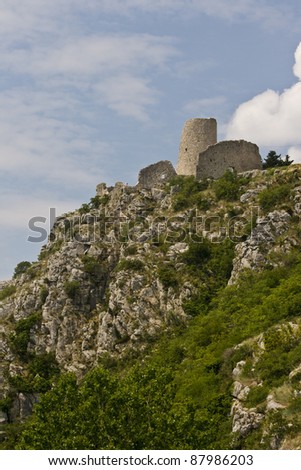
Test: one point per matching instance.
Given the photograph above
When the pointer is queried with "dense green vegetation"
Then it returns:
(7, 292)
(271, 197)
(228, 187)
(188, 193)
(130, 264)
(20, 337)
(180, 396)
(95, 203)
(176, 393)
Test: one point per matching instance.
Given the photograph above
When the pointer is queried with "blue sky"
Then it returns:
(92, 91)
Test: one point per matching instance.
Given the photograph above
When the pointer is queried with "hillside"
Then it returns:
(160, 318)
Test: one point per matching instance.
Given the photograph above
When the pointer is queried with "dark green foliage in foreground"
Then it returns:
(41, 371)
(179, 397)
(138, 412)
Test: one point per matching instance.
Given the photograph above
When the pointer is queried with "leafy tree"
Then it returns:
(20, 337)
(139, 411)
(21, 268)
(273, 160)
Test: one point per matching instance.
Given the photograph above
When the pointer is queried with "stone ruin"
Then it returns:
(156, 174)
(237, 155)
(202, 156)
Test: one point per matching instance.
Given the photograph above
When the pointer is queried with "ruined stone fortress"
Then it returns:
(202, 156)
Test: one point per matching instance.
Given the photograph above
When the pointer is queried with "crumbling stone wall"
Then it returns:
(237, 154)
(197, 135)
(156, 174)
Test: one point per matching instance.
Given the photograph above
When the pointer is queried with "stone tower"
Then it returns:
(196, 137)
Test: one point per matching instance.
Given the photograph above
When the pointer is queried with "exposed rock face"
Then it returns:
(244, 420)
(156, 174)
(252, 253)
(96, 291)
(96, 286)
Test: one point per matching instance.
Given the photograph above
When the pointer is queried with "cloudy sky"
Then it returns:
(92, 91)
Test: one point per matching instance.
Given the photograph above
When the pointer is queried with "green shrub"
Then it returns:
(7, 292)
(256, 396)
(38, 378)
(130, 264)
(21, 268)
(44, 365)
(295, 406)
(168, 276)
(72, 288)
(131, 250)
(228, 186)
(189, 193)
(97, 201)
(20, 338)
(54, 247)
(271, 197)
(198, 254)
(43, 294)
(93, 267)
(84, 209)
(198, 303)
(6, 403)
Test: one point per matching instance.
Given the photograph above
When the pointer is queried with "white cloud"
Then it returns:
(103, 62)
(91, 55)
(271, 118)
(297, 66)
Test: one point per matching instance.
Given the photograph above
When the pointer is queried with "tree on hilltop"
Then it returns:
(273, 160)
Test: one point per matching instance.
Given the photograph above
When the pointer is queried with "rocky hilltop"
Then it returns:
(135, 264)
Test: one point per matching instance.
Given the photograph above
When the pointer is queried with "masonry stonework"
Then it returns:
(156, 174)
(238, 155)
(197, 135)
(201, 156)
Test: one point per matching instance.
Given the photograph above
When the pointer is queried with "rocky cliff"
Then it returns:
(115, 275)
